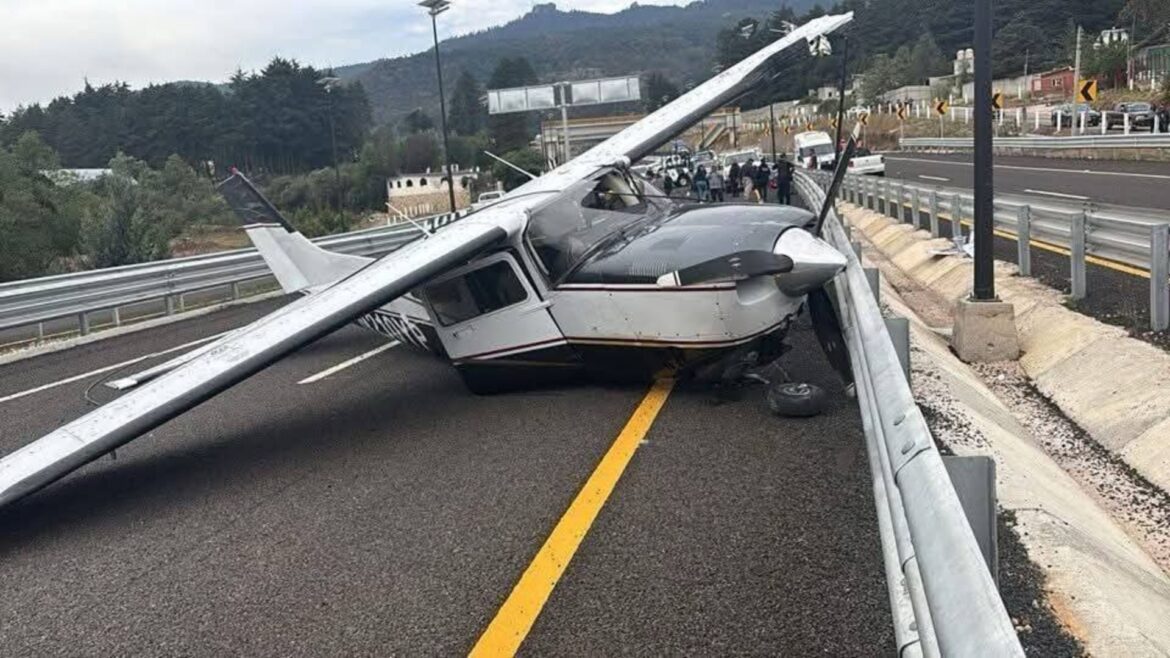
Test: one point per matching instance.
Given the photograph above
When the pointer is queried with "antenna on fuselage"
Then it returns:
(509, 164)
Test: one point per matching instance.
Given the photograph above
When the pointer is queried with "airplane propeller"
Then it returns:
(825, 322)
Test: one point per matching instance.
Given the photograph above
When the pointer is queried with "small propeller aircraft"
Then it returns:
(587, 271)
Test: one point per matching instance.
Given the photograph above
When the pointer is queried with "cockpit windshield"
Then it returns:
(564, 231)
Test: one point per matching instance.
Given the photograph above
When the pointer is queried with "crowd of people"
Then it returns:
(750, 181)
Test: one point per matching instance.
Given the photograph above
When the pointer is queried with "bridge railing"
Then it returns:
(1130, 239)
(80, 294)
(942, 595)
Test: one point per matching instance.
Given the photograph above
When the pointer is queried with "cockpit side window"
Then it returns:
(489, 288)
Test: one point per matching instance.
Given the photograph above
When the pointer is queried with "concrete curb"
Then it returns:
(1106, 589)
(1114, 387)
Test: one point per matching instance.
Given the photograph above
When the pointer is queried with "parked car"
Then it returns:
(1071, 115)
(866, 163)
(1141, 115)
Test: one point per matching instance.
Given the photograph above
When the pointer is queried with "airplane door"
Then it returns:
(488, 310)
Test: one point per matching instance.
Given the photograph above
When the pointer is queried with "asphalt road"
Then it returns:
(1134, 184)
(385, 510)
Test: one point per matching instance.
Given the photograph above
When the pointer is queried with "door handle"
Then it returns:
(539, 307)
(458, 333)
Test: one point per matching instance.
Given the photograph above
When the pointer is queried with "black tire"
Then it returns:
(796, 400)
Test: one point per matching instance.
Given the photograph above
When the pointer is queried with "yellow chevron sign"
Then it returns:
(997, 100)
(942, 107)
(1087, 91)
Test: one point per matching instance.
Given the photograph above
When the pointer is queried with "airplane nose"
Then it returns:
(814, 261)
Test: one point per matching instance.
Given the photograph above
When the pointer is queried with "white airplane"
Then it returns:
(586, 271)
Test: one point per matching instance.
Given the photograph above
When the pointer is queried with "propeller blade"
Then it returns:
(838, 178)
(828, 330)
(733, 267)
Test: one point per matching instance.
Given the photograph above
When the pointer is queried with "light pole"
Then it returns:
(434, 8)
(331, 83)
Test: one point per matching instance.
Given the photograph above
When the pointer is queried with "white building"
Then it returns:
(419, 195)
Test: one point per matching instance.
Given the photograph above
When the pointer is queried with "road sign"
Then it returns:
(833, 122)
(942, 107)
(810, 126)
(997, 100)
(1087, 91)
(787, 129)
(903, 111)
(863, 118)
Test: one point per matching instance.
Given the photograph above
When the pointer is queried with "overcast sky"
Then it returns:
(49, 47)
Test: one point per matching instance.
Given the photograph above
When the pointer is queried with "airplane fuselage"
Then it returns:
(607, 318)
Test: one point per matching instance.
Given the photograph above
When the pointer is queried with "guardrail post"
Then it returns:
(956, 216)
(235, 291)
(83, 323)
(170, 301)
(117, 317)
(916, 216)
(899, 329)
(874, 277)
(1024, 240)
(934, 214)
(1159, 277)
(40, 331)
(1077, 254)
(898, 202)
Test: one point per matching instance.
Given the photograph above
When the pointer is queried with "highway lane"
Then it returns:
(1135, 184)
(383, 509)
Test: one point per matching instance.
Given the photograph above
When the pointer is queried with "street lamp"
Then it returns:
(434, 8)
(331, 83)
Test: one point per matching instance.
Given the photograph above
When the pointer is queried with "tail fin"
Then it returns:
(297, 263)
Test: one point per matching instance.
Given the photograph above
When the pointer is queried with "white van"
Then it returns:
(814, 142)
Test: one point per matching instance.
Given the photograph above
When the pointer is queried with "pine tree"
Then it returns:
(468, 114)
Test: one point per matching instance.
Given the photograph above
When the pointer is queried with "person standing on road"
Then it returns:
(747, 176)
(733, 181)
(762, 177)
(784, 180)
(667, 183)
(702, 185)
(715, 180)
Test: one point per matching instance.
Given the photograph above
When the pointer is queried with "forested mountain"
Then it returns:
(676, 41)
(276, 120)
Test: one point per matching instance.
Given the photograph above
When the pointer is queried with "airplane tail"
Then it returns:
(299, 265)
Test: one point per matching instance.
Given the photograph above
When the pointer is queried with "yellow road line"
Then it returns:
(515, 617)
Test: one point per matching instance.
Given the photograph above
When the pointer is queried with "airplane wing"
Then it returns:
(243, 354)
(246, 351)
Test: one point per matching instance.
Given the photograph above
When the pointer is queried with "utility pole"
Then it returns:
(772, 128)
(330, 83)
(434, 8)
(1076, 73)
(984, 190)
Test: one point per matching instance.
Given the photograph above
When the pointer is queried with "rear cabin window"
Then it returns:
(475, 293)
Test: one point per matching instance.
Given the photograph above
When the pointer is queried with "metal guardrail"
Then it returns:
(942, 596)
(1130, 239)
(1130, 141)
(35, 301)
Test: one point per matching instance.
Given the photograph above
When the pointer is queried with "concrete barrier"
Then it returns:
(1114, 387)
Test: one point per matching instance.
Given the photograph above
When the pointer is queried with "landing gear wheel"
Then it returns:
(797, 400)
